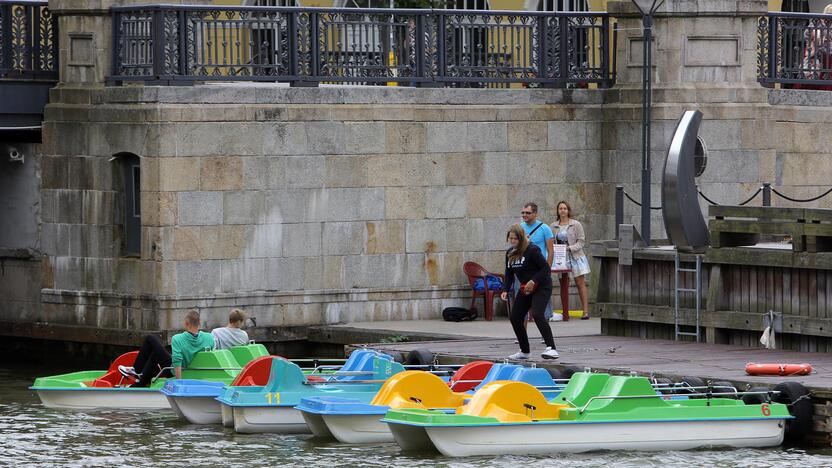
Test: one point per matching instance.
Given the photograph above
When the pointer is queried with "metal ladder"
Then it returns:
(696, 290)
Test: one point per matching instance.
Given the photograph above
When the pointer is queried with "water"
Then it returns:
(31, 435)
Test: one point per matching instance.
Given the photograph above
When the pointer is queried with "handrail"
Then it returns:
(708, 395)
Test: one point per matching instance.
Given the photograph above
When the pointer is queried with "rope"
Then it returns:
(753, 196)
(798, 200)
(637, 203)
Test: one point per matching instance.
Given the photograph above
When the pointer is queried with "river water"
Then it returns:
(31, 435)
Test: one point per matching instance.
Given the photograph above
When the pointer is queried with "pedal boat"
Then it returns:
(271, 408)
(196, 400)
(352, 422)
(109, 390)
(594, 412)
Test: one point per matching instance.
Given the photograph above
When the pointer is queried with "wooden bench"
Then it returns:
(810, 229)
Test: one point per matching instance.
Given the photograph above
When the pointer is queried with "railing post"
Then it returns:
(766, 194)
(619, 208)
(28, 51)
(293, 44)
(314, 51)
(36, 39)
(420, 47)
(563, 53)
(182, 18)
(158, 44)
(542, 44)
(605, 51)
(440, 46)
(772, 47)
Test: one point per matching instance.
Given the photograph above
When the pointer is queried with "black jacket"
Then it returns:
(531, 266)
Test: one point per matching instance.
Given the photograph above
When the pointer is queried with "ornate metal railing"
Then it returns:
(28, 41)
(306, 46)
(795, 48)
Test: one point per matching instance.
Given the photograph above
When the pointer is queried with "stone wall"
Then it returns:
(303, 205)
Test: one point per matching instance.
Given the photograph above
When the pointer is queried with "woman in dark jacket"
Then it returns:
(525, 261)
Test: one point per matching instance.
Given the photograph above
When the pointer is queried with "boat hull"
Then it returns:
(531, 439)
(358, 428)
(315, 423)
(227, 415)
(412, 438)
(103, 399)
(273, 419)
(197, 410)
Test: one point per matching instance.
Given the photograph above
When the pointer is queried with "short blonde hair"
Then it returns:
(237, 316)
(192, 318)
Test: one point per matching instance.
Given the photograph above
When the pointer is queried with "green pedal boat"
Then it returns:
(594, 412)
(108, 389)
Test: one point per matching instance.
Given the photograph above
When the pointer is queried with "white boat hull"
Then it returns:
(412, 438)
(87, 400)
(227, 415)
(358, 428)
(574, 438)
(274, 419)
(197, 410)
(315, 423)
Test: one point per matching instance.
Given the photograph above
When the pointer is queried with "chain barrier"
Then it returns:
(637, 203)
(747, 201)
(798, 200)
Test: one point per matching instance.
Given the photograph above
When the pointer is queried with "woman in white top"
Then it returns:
(232, 335)
(570, 232)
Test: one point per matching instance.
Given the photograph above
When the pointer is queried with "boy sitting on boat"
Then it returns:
(231, 335)
(153, 357)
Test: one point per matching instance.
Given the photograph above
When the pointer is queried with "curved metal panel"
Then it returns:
(683, 220)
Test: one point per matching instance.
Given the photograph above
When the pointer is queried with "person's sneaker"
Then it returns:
(542, 341)
(516, 341)
(556, 318)
(550, 354)
(519, 355)
(129, 372)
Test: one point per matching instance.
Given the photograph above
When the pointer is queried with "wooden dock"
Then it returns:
(659, 358)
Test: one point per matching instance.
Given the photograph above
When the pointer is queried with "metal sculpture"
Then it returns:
(683, 220)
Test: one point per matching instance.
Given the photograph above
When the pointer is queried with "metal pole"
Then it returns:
(766, 194)
(647, 23)
(619, 209)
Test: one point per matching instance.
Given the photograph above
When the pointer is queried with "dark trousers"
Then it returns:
(152, 357)
(537, 303)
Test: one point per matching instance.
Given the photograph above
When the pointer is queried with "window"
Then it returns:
(132, 205)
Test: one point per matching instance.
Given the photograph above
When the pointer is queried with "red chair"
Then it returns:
(475, 271)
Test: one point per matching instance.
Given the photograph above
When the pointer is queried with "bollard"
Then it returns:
(766, 194)
(619, 208)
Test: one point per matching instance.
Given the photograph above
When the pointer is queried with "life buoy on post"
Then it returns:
(778, 369)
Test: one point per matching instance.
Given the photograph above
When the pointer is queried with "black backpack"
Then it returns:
(458, 314)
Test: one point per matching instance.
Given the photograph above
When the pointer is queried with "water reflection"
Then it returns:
(33, 435)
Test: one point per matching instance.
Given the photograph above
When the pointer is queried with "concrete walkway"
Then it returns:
(499, 328)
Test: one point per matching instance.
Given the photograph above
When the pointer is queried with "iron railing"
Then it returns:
(794, 48)
(28, 41)
(306, 46)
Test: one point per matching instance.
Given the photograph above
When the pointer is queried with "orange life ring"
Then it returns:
(778, 369)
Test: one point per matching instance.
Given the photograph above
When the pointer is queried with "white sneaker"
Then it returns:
(550, 353)
(519, 355)
(556, 318)
(129, 372)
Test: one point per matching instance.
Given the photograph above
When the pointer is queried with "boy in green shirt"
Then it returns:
(153, 357)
